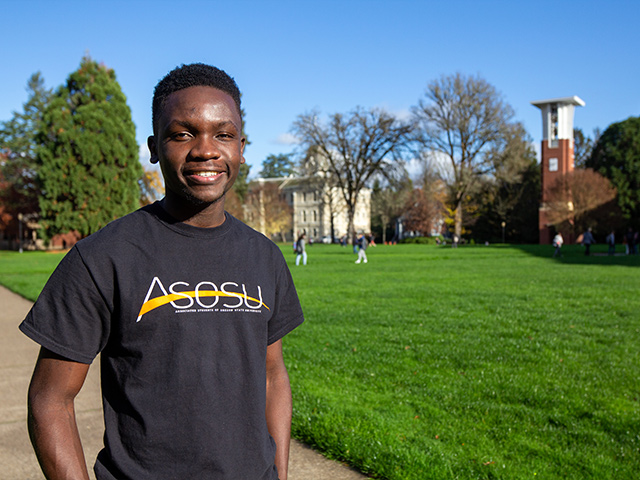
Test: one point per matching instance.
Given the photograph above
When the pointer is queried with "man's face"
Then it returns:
(199, 145)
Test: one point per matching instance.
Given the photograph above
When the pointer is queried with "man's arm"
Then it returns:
(52, 422)
(278, 411)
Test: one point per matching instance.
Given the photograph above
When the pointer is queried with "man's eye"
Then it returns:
(180, 136)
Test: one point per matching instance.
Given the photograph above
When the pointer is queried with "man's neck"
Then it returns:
(202, 216)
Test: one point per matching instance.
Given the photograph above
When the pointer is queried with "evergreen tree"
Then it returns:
(19, 191)
(89, 168)
(276, 166)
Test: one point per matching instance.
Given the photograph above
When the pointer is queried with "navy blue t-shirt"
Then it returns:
(182, 317)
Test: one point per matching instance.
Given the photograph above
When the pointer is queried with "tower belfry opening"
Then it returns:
(556, 151)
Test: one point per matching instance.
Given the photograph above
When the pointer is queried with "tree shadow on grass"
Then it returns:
(574, 255)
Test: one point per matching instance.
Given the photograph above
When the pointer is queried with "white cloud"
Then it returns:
(144, 155)
(402, 114)
(286, 139)
(538, 149)
(415, 167)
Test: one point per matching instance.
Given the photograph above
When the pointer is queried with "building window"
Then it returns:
(553, 125)
(553, 164)
(304, 216)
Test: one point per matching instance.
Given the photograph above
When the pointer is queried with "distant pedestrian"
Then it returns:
(611, 241)
(557, 242)
(587, 241)
(631, 244)
(362, 245)
(301, 251)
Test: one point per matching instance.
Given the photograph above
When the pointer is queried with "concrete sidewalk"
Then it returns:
(17, 460)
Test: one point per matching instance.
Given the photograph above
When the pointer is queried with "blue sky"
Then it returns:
(290, 57)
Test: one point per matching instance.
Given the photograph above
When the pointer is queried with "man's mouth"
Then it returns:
(204, 177)
(205, 174)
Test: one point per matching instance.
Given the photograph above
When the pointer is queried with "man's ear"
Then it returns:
(243, 142)
(151, 143)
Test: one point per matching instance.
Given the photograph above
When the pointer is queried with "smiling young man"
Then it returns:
(188, 325)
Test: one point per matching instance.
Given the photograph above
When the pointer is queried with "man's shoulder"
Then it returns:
(131, 226)
(253, 237)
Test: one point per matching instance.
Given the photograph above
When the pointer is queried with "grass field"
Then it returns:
(471, 363)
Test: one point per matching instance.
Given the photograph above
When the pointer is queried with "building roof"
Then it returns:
(574, 100)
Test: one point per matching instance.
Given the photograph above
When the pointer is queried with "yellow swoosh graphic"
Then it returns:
(164, 299)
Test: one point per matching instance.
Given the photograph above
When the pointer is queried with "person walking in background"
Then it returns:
(631, 245)
(362, 249)
(301, 250)
(557, 242)
(611, 241)
(587, 241)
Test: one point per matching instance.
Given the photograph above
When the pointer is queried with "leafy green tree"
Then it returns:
(511, 195)
(89, 168)
(583, 146)
(18, 145)
(276, 166)
(617, 157)
(235, 198)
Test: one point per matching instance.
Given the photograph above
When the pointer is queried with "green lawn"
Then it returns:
(469, 363)
(480, 362)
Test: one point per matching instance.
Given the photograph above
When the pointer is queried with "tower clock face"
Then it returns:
(553, 164)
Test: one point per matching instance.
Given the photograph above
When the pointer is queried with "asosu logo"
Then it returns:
(205, 294)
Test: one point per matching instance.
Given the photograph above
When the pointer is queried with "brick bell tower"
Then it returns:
(557, 150)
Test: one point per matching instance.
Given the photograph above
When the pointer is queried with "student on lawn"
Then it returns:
(301, 249)
(557, 243)
(186, 306)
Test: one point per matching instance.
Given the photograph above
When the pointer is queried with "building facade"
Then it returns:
(318, 209)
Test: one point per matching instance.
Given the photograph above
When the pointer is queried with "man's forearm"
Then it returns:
(52, 421)
(279, 409)
(56, 441)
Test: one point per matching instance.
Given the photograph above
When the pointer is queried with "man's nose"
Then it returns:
(205, 148)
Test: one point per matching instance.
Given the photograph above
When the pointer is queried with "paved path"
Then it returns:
(17, 460)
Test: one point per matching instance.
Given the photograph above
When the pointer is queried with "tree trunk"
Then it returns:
(351, 226)
(458, 221)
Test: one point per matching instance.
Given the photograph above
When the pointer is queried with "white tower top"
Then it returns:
(557, 117)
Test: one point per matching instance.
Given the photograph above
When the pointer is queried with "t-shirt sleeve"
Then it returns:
(287, 313)
(70, 317)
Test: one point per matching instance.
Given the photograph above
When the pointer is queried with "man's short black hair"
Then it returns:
(193, 75)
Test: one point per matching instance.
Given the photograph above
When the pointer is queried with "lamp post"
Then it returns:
(503, 224)
(20, 232)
